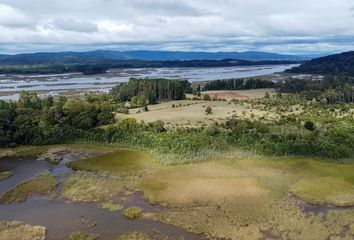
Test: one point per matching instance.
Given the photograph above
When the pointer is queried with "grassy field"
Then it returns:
(239, 94)
(18, 231)
(191, 113)
(186, 113)
(248, 197)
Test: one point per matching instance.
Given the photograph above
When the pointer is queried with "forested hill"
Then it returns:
(44, 64)
(148, 56)
(339, 64)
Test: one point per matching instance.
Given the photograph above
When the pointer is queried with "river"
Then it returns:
(56, 84)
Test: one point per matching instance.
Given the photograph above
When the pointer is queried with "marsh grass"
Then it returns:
(248, 198)
(121, 162)
(17, 231)
(43, 184)
(238, 195)
(112, 207)
(133, 212)
(4, 175)
(325, 191)
(86, 187)
(134, 236)
(83, 236)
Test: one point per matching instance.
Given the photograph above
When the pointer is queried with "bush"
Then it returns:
(133, 212)
(309, 126)
(206, 97)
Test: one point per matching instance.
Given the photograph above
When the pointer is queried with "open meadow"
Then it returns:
(192, 113)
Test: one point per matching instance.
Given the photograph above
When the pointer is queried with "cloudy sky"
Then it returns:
(284, 26)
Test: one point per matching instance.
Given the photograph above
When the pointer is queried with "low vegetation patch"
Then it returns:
(247, 198)
(325, 191)
(122, 162)
(42, 184)
(86, 187)
(133, 212)
(134, 236)
(4, 175)
(18, 231)
(83, 236)
(112, 207)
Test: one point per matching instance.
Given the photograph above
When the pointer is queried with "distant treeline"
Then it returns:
(97, 66)
(238, 84)
(153, 90)
(331, 89)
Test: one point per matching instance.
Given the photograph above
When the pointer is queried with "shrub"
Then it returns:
(206, 97)
(309, 126)
(133, 212)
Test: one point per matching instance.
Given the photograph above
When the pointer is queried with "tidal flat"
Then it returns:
(245, 196)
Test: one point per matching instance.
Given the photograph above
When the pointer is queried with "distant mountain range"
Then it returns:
(338, 64)
(90, 56)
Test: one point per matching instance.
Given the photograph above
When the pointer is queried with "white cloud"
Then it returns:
(13, 18)
(232, 25)
(75, 25)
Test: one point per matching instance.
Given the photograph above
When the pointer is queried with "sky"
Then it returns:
(282, 26)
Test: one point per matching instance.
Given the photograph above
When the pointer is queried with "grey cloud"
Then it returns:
(177, 24)
(75, 25)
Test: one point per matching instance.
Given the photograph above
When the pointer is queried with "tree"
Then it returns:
(134, 101)
(142, 101)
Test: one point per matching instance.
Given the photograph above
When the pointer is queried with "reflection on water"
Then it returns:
(53, 84)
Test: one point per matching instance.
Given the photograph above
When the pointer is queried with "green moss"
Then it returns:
(83, 236)
(133, 212)
(42, 184)
(112, 207)
(5, 175)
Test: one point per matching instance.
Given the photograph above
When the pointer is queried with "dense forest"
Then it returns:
(153, 90)
(331, 89)
(36, 121)
(340, 65)
(238, 84)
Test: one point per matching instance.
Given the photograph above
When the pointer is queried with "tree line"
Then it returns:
(151, 90)
(329, 90)
(238, 84)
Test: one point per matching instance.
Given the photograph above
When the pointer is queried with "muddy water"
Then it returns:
(62, 217)
(23, 169)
